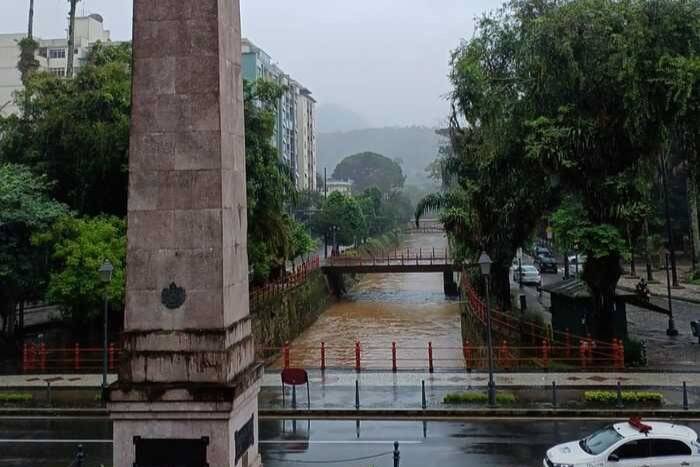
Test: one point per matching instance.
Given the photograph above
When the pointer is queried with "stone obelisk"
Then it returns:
(188, 382)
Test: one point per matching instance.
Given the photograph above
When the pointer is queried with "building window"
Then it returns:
(60, 72)
(57, 53)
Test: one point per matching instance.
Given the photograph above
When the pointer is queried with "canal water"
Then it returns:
(408, 309)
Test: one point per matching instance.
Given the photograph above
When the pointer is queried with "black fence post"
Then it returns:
(423, 401)
(619, 404)
(397, 454)
(357, 395)
(685, 396)
(554, 394)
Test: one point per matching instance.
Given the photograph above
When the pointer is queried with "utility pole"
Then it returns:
(30, 29)
(71, 38)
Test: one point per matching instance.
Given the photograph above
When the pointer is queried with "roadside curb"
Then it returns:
(398, 414)
(680, 299)
(439, 414)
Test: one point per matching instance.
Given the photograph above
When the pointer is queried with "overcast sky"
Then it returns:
(386, 60)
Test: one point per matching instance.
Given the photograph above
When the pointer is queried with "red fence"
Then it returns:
(294, 279)
(37, 358)
(431, 357)
(564, 347)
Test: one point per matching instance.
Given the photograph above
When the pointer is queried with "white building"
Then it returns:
(52, 55)
(306, 140)
(339, 186)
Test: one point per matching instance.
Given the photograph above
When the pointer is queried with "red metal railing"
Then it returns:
(430, 357)
(290, 281)
(566, 347)
(37, 358)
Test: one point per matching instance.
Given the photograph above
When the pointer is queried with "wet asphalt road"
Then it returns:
(42, 442)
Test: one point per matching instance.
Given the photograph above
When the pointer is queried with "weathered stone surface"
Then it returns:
(188, 370)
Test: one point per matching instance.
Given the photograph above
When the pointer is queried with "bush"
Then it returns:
(635, 353)
(15, 397)
(478, 398)
(628, 397)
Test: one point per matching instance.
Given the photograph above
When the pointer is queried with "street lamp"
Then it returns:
(485, 265)
(334, 247)
(671, 331)
(106, 277)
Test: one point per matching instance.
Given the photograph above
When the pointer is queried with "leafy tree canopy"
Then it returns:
(370, 170)
(78, 247)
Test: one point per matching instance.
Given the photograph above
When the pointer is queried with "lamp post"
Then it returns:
(485, 265)
(106, 277)
(671, 331)
(334, 247)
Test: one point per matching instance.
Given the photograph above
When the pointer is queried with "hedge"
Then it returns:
(628, 397)
(478, 398)
(15, 397)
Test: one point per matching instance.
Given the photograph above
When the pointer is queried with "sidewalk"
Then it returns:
(688, 292)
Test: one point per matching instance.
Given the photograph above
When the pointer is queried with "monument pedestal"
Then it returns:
(184, 426)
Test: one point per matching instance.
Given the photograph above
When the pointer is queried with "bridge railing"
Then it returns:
(291, 280)
(406, 256)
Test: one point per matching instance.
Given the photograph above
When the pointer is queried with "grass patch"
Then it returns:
(504, 398)
(628, 397)
(15, 397)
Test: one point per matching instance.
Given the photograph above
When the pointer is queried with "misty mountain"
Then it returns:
(332, 118)
(413, 147)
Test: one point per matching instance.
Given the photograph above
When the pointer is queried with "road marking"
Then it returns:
(358, 441)
(55, 441)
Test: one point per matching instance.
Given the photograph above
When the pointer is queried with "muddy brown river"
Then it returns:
(408, 309)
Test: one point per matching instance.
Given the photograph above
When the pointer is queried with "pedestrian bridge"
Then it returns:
(406, 261)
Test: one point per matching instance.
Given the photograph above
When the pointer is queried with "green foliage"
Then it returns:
(25, 208)
(628, 397)
(27, 63)
(273, 235)
(503, 398)
(11, 397)
(343, 213)
(369, 170)
(77, 131)
(79, 246)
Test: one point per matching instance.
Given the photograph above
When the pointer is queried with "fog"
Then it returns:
(384, 61)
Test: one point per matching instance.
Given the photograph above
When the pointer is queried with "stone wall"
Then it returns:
(282, 318)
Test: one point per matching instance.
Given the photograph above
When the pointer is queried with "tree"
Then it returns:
(370, 170)
(78, 248)
(494, 196)
(25, 208)
(343, 213)
(596, 77)
(77, 131)
(273, 235)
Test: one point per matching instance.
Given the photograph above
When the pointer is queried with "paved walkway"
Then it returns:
(331, 378)
(688, 292)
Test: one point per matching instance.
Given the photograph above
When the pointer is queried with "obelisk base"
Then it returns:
(191, 426)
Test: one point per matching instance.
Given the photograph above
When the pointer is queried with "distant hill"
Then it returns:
(332, 118)
(414, 147)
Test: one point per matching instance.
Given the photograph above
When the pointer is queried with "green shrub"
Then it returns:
(15, 397)
(635, 354)
(478, 398)
(628, 397)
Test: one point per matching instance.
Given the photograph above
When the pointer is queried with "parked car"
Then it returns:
(530, 274)
(652, 444)
(546, 263)
(541, 250)
(581, 259)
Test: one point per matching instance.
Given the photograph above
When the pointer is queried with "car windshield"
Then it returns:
(600, 440)
(530, 269)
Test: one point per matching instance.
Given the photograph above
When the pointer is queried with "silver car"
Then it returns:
(530, 274)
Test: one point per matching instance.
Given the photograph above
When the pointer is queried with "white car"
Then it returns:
(530, 274)
(631, 444)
